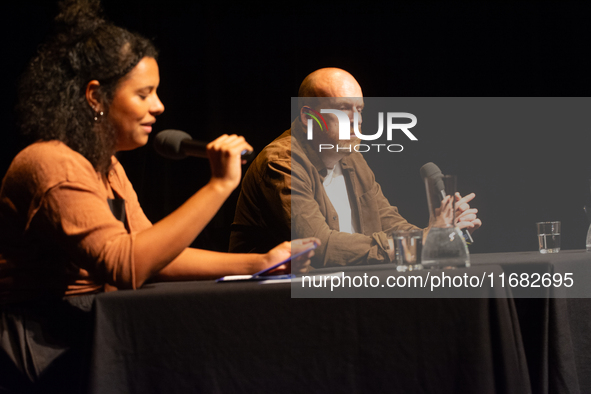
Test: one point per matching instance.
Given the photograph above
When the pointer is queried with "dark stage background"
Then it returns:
(229, 68)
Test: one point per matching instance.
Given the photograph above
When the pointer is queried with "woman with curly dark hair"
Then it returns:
(90, 92)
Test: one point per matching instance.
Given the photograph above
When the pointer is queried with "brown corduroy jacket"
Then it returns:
(283, 198)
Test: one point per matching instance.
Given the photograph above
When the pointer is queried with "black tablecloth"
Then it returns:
(250, 337)
(556, 332)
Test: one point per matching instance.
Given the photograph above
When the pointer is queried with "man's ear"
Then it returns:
(93, 96)
(303, 116)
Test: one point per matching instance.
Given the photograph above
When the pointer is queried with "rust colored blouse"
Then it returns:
(58, 236)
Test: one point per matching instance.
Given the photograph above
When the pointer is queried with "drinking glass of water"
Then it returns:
(408, 246)
(549, 237)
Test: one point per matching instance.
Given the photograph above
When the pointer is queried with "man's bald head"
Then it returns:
(330, 82)
(325, 89)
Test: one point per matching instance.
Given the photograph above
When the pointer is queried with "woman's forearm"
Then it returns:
(199, 264)
(157, 246)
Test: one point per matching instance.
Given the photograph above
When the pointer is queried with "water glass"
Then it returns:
(408, 245)
(549, 237)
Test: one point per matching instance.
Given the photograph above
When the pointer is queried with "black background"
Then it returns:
(228, 68)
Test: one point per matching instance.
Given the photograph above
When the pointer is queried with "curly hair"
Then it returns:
(52, 92)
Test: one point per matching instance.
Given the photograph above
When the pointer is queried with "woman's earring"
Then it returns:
(97, 115)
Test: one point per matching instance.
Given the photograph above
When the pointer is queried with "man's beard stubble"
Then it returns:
(345, 144)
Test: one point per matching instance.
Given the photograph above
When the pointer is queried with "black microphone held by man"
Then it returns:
(432, 172)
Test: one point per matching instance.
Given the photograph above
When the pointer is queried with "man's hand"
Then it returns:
(466, 216)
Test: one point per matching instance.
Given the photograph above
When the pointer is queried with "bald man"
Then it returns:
(293, 189)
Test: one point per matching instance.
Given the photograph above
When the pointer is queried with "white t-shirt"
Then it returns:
(336, 189)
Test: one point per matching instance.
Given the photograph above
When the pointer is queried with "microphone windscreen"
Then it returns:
(168, 143)
(430, 170)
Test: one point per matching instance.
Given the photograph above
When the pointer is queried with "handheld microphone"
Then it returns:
(176, 145)
(431, 171)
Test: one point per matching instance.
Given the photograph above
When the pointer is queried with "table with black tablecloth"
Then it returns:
(254, 337)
